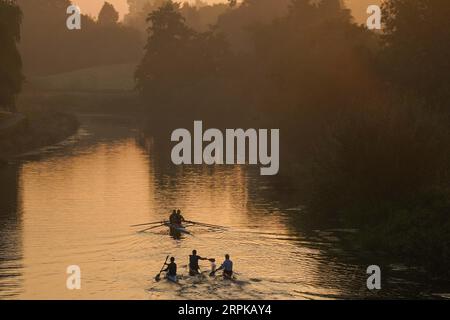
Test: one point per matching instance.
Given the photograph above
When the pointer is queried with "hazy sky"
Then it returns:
(92, 7)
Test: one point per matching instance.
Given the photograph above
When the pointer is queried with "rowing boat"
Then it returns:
(176, 227)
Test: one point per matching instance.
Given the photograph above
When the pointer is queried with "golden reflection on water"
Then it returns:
(72, 206)
(77, 204)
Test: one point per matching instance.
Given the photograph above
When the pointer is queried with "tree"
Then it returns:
(10, 61)
(178, 60)
(416, 43)
(162, 65)
(108, 15)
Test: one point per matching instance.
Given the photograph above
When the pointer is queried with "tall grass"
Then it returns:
(386, 169)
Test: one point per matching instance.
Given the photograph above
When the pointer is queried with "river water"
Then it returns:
(73, 204)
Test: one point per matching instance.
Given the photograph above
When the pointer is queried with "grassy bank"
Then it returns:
(42, 127)
(50, 104)
(102, 78)
(385, 171)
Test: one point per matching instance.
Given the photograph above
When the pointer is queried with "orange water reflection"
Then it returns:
(77, 203)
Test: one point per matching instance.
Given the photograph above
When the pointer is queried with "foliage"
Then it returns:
(108, 15)
(416, 53)
(176, 57)
(10, 60)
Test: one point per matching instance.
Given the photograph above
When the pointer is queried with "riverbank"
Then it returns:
(38, 128)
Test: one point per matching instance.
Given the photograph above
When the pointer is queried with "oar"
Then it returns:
(146, 224)
(158, 276)
(154, 227)
(206, 224)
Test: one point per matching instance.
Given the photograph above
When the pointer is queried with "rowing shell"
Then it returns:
(177, 227)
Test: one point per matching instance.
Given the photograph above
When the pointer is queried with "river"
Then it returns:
(73, 204)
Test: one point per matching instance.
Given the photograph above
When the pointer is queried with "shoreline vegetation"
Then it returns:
(39, 127)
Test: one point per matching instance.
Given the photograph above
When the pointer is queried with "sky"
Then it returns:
(92, 7)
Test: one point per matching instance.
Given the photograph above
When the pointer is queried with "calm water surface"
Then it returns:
(73, 204)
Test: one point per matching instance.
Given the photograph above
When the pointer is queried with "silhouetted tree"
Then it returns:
(417, 47)
(167, 39)
(178, 60)
(108, 15)
(10, 61)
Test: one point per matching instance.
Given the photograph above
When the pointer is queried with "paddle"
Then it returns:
(158, 276)
(213, 274)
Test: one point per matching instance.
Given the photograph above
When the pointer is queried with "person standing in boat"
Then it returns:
(171, 270)
(227, 267)
(193, 263)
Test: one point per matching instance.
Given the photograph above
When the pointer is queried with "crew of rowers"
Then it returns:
(194, 268)
(176, 218)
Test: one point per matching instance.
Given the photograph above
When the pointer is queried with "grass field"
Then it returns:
(104, 78)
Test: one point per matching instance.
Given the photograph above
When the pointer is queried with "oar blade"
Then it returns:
(158, 276)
